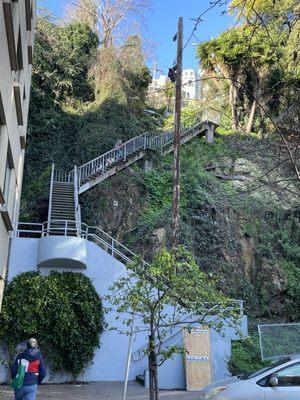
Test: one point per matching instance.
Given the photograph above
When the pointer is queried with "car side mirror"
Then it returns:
(273, 381)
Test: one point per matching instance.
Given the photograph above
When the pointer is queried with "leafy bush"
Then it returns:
(245, 356)
(62, 310)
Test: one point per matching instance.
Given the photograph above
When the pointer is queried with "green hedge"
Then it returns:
(245, 356)
(62, 310)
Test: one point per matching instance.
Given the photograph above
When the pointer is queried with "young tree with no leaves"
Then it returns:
(171, 292)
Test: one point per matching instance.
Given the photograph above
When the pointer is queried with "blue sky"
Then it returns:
(161, 24)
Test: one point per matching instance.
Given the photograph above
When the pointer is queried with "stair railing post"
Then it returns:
(50, 199)
(79, 177)
(76, 202)
(112, 247)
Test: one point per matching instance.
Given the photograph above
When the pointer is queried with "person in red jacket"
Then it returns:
(35, 371)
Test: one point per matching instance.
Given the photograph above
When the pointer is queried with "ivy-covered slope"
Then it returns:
(248, 234)
(239, 222)
(77, 111)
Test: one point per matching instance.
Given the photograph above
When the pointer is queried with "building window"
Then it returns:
(8, 173)
(8, 18)
(28, 10)
(19, 51)
(2, 113)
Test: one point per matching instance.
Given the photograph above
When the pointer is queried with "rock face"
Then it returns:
(238, 223)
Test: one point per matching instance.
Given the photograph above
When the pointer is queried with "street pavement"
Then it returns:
(99, 391)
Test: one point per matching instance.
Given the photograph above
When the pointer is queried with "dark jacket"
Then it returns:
(35, 367)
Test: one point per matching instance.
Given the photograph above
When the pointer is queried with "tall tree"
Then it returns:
(106, 15)
(239, 58)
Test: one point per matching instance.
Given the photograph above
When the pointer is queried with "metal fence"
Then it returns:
(279, 340)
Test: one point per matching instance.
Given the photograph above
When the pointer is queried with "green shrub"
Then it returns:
(62, 310)
(245, 356)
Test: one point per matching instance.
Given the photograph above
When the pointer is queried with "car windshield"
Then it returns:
(266, 369)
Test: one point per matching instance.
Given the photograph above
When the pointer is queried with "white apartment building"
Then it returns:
(190, 85)
(17, 22)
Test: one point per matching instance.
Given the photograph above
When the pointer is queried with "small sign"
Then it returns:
(199, 330)
(197, 358)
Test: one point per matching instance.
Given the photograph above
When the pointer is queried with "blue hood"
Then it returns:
(31, 354)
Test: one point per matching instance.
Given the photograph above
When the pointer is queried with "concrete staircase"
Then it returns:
(106, 165)
(185, 137)
(142, 378)
(62, 208)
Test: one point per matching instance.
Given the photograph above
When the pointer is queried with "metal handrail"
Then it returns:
(76, 198)
(51, 192)
(70, 228)
(119, 153)
(147, 140)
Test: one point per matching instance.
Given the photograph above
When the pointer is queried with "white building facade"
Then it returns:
(190, 84)
(17, 22)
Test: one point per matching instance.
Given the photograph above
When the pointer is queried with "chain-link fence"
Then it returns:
(279, 340)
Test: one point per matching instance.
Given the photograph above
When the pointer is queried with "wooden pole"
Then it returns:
(177, 118)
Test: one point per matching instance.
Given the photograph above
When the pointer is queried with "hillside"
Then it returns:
(240, 212)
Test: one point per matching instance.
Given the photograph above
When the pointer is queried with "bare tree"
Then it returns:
(106, 16)
(83, 11)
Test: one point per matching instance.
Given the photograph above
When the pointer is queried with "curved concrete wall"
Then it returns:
(62, 252)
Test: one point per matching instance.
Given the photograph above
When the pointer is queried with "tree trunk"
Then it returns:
(251, 117)
(153, 376)
(156, 384)
(234, 103)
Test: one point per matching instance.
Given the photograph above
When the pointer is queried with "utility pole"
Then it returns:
(177, 128)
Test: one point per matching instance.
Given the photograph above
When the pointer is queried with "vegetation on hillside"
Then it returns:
(84, 97)
(239, 196)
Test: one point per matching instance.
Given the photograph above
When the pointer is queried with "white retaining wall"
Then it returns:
(110, 360)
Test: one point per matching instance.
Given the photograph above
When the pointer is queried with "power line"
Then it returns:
(198, 20)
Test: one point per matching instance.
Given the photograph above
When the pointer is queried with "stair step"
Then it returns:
(66, 209)
(63, 216)
(62, 194)
(140, 379)
(62, 203)
(67, 190)
(58, 211)
(62, 212)
(61, 206)
(63, 190)
(63, 198)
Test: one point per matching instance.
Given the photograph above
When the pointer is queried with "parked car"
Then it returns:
(279, 381)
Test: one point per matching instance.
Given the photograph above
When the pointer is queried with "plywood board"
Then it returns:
(197, 358)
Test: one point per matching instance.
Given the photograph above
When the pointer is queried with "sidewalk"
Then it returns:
(99, 391)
